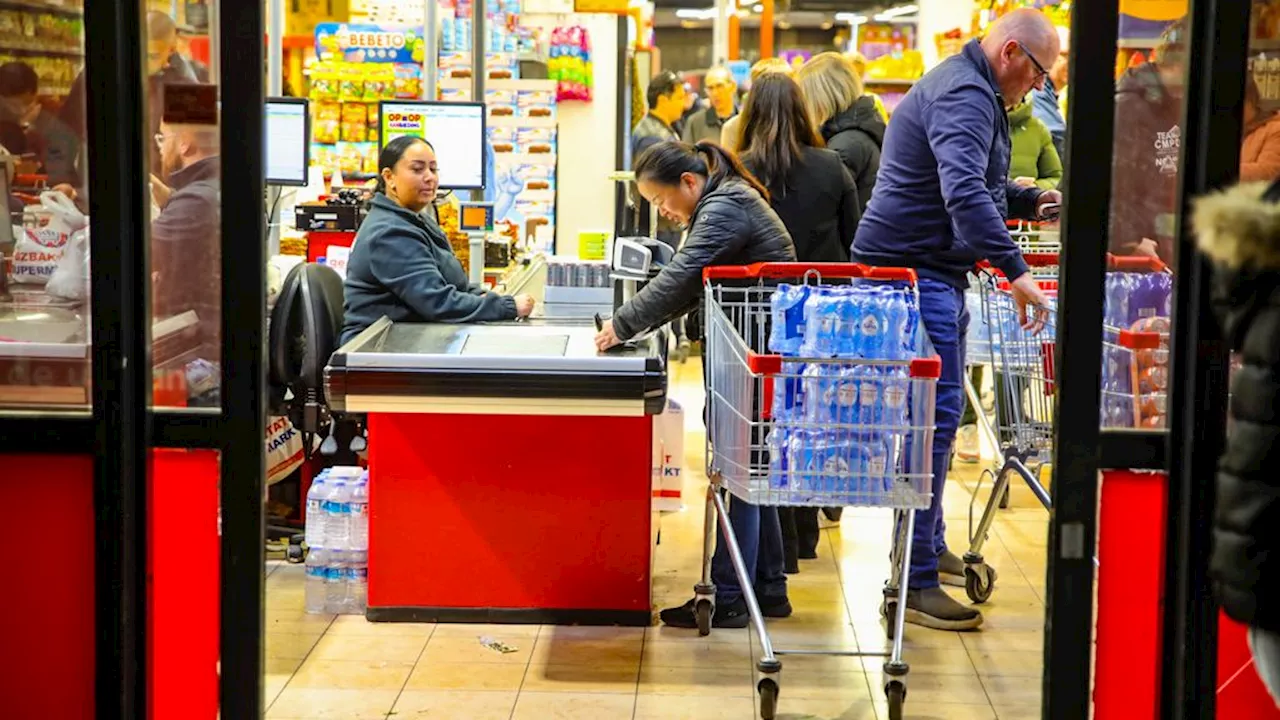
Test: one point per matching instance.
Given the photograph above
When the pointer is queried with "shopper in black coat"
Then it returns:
(730, 222)
(809, 187)
(1240, 230)
(814, 194)
(706, 189)
(848, 120)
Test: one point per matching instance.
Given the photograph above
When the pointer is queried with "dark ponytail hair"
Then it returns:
(665, 162)
(391, 154)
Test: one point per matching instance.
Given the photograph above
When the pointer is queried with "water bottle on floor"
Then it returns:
(357, 582)
(337, 531)
(359, 514)
(314, 588)
(315, 510)
(335, 583)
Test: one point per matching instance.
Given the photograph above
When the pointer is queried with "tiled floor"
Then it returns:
(327, 667)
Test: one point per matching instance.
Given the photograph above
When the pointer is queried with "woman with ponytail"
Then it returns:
(402, 265)
(706, 189)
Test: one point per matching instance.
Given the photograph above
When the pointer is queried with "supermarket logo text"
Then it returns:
(401, 121)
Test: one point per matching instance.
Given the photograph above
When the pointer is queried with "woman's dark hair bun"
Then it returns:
(666, 161)
(391, 154)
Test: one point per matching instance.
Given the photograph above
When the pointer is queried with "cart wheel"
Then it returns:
(896, 693)
(768, 699)
(295, 555)
(703, 610)
(979, 584)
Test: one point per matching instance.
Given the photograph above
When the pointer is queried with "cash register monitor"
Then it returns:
(454, 129)
(287, 151)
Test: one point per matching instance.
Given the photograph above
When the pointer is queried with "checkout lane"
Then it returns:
(510, 466)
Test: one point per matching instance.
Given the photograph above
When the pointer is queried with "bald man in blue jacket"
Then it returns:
(940, 204)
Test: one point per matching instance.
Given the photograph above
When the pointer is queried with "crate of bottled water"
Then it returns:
(821, 392)
(337, 537)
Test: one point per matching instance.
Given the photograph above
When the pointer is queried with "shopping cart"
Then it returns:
(1135, 360)
(1025, 408)
(795, 431)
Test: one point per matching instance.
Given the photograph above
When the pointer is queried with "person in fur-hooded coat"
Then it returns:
(1239, 229)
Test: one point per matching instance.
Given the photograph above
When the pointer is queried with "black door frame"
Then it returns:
(1210, 149)
(121, 430)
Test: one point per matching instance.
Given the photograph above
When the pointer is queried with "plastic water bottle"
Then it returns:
(821, 324)
(873, 326)
(335, 585)
(897, 317)
(337, 532)
(316, 518)
(359, 514)
(314, 588)
(778, 442)
(788, 309)
(357, 582)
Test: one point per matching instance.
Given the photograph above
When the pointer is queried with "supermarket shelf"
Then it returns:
(40, 52)
(50, 8)
(896, 82)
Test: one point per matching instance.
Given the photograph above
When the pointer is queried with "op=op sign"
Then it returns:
(190, 104)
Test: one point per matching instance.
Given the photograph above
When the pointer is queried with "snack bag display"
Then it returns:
(351, 83)
(355, 122)
(326, 124)
(407, 82)
(325, 83)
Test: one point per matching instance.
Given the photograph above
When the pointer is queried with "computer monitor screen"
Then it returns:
(455, 130)
(287, 152)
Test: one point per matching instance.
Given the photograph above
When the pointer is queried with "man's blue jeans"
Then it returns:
(946, 320)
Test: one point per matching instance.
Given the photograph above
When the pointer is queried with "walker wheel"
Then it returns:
(979, 583)
(768, 699)
(703, 611)
(896, 693)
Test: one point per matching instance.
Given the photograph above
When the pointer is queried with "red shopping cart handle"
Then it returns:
(777, 271)
(1035, 260)
(758, 364)
(1135, 263)
(1049, 285)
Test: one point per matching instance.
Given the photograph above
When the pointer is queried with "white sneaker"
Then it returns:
(967, 444)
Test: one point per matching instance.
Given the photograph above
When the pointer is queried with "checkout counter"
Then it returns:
(509, 470)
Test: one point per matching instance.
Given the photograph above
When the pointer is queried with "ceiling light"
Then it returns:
(757, 8)
(898, 12)
(696, 14)
(851, 18)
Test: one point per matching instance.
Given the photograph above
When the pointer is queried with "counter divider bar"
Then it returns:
(47, 434)
(1133, 450)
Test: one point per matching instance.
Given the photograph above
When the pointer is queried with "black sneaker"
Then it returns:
(775, 607)
(727, 615)
(934, 608)
(833, 514)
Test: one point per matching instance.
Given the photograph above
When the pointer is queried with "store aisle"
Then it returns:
(324, 667)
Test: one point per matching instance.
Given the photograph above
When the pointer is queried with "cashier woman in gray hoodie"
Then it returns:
(402, 265)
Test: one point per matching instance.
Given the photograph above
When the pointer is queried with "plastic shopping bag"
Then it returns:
(41, 245)
(668, 458)
(70, 279)
(284, 449)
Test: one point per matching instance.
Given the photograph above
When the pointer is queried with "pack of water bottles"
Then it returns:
(866, 320)
(1134, 380)
(337, 535)
(840, 411)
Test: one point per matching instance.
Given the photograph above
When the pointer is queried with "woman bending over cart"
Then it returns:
(727, 213)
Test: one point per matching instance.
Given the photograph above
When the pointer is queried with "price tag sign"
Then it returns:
(613, 7)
